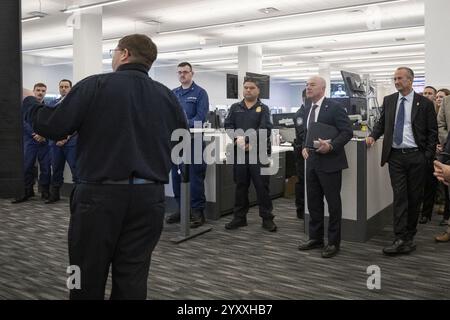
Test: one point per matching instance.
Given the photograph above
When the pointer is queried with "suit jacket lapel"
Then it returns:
(323, 106)
(392, 110)
(415, 107)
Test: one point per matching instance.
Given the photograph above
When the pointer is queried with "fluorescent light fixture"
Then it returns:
(400, 62)
(284, 16)
(31, 18)
(317, 36)
(91, 6)
(47, 48)
(35, 15)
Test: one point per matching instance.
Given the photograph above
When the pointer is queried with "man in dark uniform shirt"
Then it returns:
(124, 121)
(250, 113)
(299, 161)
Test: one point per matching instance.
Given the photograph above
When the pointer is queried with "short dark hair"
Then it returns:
(141, 49)
(409, 71)
(252, 80)
(39, 85)
(432, 88)
(445, 90)
(184, 64)
(65, 80)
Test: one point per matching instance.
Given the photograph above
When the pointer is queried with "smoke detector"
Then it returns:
(39, 14)
(268, 10)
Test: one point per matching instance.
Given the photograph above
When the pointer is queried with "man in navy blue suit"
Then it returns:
(324, 168)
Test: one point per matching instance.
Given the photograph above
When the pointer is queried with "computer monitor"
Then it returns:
(232, 86)
(283, 120)
(353, 84)
(353, 106)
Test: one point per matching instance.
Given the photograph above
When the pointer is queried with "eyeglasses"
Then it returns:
(111, 52)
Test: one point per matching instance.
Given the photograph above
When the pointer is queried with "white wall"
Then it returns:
(282, 95)
(49, 75)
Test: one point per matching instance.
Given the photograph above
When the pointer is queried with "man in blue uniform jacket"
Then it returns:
(194, 101)
(324, 168)
(62, 150)
(35, 147)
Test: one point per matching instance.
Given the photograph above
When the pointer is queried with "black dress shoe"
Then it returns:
(410, 246)
(236, 223)
(45, 195)
(443, 222)
(399, 246)
(330, 251)
(173, 218)
(21, 199)
(310, 244)
(269, 225)
(301, 214)
(54, 196)
(29, 192)
(197, 218)
(424, 219)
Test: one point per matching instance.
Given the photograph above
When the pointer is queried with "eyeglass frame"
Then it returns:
(111, 51)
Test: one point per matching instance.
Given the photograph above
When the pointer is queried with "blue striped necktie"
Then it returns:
(400, 123)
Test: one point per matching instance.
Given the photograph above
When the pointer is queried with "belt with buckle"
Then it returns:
(405, 150)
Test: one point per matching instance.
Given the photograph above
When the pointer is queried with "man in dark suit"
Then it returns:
(324, 168)
(408, 122)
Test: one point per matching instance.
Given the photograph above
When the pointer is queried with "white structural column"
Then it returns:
(437, 46)
(249, 60)
(87, 43)
(324, 72)
(87, 50)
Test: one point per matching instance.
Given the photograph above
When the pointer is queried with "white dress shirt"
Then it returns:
(408, 136)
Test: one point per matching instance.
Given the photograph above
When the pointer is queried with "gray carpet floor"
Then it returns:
(249, 263)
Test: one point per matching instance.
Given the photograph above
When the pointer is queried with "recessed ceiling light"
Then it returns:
(400, 39)
(268, 10)
(152, 22)
(374, 52)
(308, 47)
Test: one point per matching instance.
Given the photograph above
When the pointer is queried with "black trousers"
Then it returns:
(117, 225)
(430, 190)
(318, 185)
(407, 171)
(446, 215)
(243, 174)
(300, 185)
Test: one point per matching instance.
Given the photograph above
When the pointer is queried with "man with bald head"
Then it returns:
(408, 123)
(324, 166)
